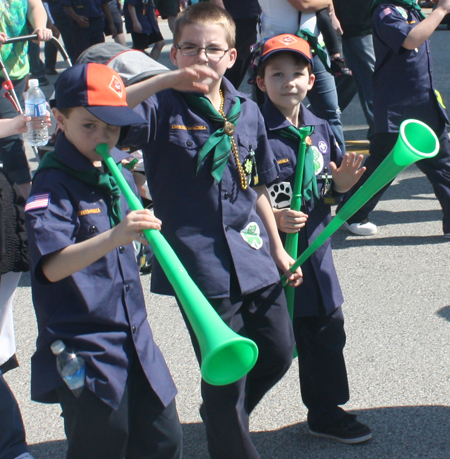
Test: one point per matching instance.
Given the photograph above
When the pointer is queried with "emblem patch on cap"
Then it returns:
(116, 86)
(288, 40)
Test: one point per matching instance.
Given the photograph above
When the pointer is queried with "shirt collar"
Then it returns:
(276, 120)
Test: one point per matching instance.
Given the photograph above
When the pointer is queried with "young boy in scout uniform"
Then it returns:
(88, 22)
(207, 163)
(86, 286)
(285, 75)
(403, 88)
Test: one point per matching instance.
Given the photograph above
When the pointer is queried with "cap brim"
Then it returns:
(116, 116)
(286, 49)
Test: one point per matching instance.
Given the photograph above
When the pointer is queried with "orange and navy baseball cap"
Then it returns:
(286, 42)
(97, 88)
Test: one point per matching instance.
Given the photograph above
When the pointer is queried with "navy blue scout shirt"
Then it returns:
(88, 8)
(205, 222)
(100, 310)
(403, 79)
(320, 292)
(148, 20)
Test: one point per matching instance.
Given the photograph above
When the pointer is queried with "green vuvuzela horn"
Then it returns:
(226, 356)
(416, 141)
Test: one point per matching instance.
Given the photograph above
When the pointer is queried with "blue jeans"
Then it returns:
(324, 101)
(360, 57)
(12, 432)
(37, 67)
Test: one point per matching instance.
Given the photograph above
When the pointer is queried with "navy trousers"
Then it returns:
(263, 317)
(12, 432)
(140, 428)
(323, 376)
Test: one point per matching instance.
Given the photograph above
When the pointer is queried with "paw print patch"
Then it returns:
(280, 195)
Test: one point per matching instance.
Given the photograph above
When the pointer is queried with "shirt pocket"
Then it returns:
(93, 220)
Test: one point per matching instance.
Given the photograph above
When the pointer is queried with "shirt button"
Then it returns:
(189, 143)
(127, 288)
(134, 330)
(93, 229)
(121, 249)
(226, 195)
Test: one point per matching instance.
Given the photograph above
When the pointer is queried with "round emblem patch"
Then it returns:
(250, 234)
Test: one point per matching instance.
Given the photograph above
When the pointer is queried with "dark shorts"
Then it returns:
(167, 8)
(144, 40)
(117, 18)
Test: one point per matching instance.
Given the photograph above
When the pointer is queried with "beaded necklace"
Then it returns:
(229, 130)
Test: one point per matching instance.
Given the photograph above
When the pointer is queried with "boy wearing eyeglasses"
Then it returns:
(207, 163)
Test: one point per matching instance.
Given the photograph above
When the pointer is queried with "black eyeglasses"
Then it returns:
(210, 51)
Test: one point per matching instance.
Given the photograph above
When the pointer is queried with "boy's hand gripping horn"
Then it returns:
(226, 356)
(416, 141)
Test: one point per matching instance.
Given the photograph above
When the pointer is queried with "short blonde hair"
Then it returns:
(206, 13)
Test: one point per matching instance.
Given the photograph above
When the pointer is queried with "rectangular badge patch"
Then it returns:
(80, 213)
(385, 12)
(38, 201)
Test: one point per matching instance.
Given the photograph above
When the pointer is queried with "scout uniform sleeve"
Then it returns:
(392, 26)
(50, 220)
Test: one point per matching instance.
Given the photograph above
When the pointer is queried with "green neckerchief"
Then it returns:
(405, 3)
(315, 46)
(309, 185)
(101, 181)
(220, 140)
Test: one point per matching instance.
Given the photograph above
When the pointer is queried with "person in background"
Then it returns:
(61, 24)
(245, 16)
(142, 24)
(168, 9)
(13, 23)
(403, 88)
(88, 21)
(116, 13)
(13, 261)
(356, 25)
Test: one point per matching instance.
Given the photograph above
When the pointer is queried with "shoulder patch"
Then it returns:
(37, 201)
(385, 12)
(402, 11)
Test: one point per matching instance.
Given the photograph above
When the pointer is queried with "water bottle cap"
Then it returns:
(57, 347)
(33, 83)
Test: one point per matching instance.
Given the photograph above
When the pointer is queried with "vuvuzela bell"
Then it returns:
(416, 141)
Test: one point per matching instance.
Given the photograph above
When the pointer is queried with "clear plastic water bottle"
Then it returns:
(36, 107)
(71, 367)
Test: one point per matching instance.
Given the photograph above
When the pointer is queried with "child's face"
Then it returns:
(286, 82)
(85, 131)
(204, 36)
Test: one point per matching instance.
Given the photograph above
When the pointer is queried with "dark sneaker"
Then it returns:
(51, 72)
(339, 67)
(346, 430)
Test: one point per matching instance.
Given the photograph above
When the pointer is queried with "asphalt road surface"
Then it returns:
(397, 309)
